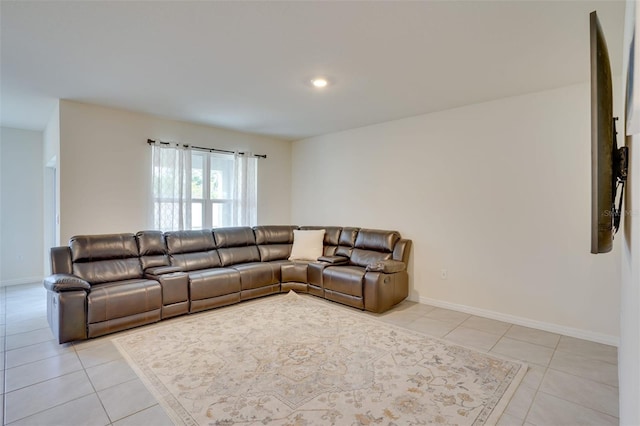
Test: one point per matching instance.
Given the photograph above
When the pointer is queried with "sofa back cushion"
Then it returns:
(192, 250)
(152, 249)
(331, 238)
(103, 258)
(346, 242)
(239, 236)
(274, 242)
(374, 239)
(236, 245)
(373, 245)
(190, 241)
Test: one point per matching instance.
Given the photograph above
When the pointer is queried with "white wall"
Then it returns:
(51, 184)
(105, 167)
(21, 194)
(496, 193)
(629, 350)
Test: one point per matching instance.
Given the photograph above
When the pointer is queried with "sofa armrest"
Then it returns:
(65, 282)
(157, 271)
(334, 260)
(388, 266)
(382, 291)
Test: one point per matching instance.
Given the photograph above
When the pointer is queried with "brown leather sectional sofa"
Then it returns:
(101, 284)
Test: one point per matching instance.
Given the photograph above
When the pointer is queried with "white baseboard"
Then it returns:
(18, 281)
(525, 322)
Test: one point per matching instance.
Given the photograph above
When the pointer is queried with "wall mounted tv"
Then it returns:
(608, 162)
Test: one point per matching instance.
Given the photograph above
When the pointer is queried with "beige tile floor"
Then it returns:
(570, 381)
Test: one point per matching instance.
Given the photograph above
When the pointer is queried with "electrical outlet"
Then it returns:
(444, 274)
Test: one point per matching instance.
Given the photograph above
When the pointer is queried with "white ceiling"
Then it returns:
(246, 65)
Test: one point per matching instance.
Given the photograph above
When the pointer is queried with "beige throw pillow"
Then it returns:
(307, 244)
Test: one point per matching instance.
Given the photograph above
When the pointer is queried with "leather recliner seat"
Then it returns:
(211, 284)
(345, 284)
(238, 250)
(119, 297)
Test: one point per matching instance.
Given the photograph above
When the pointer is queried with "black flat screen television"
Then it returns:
(608, 162)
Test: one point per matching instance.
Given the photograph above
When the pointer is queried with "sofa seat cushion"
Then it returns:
(258, 274)
(120, 299)
(294, 271)
(213, 283)
(344, 279)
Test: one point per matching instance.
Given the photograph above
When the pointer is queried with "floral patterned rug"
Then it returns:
(297, 360)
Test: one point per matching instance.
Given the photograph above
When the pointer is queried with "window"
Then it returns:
(211, 190)
(195, 189)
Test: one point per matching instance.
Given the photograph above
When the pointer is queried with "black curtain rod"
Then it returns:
(151, 142)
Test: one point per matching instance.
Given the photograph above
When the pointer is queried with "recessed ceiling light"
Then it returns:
(319, 82)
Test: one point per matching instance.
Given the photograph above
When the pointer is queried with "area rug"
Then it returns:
(297, 360)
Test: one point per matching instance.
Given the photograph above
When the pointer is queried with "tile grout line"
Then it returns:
(581, 377)
(537, 390)
(501, 337)
(47, 409)
(31, 362)
(575, 403)
(546, 370)
(95, 391)
(41, 381)
(524, 420)
(580, 354)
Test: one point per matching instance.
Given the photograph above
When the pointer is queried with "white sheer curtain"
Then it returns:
(171, 186)
(244, 210)
(174, 177)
